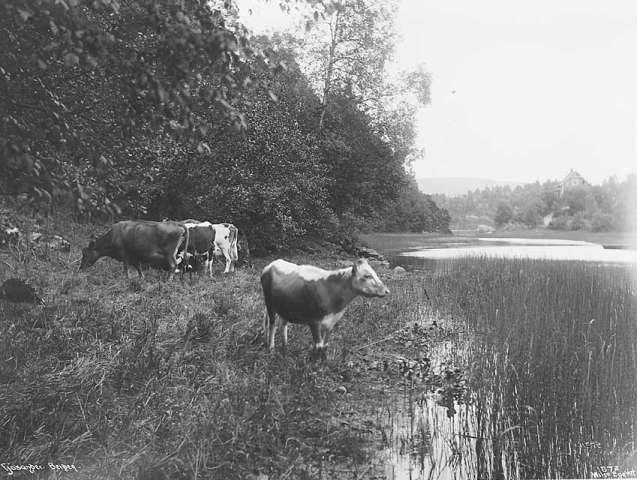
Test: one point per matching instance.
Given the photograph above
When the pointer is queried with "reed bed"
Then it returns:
(553, 364)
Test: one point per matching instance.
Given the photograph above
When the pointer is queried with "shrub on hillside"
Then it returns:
(602, 222)
(577, 222)
(503, 214)
(559, 223)
(414, 211)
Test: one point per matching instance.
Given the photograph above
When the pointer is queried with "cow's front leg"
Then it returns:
(326, 335)
(172, 268)
(317, 336)
(284, 335)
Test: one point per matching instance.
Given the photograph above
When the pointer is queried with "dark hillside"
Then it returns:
(171, 109)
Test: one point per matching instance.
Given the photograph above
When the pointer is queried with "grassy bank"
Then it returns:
(153, 379)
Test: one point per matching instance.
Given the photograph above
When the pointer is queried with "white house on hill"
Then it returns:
(572, 180)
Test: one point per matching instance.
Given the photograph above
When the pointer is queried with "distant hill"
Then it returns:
(454, 186)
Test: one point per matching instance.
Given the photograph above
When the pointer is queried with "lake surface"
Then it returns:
(550, 249)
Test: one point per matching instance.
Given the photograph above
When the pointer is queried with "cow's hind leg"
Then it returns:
(171, 259)
(269, 328)
(209, 259)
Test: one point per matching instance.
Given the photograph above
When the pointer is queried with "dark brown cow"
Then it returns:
(312, 296)
(134, 242)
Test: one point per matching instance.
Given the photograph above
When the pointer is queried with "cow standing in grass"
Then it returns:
(208, 240)
(312, 296)
(134, 242)
(226, 236)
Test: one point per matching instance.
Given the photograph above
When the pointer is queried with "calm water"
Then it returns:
(521, 248)
(566, 402)
(424, 442)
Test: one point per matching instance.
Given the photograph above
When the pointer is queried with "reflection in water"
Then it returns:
(424, 440)
(427, 444)
(526, 248)
(552, 376)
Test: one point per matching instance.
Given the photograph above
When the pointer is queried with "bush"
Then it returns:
(602, 222)
(559, 223)
(577, 222)
(503, 214)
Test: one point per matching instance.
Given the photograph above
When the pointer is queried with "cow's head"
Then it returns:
(365, 280)
(89, 256)
(186, 262)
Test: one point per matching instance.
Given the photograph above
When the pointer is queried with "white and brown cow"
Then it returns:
(311, 296)
(210, 239)
(226, 235)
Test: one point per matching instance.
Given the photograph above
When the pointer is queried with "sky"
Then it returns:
(521, 91)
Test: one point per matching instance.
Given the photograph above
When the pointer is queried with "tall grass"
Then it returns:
(554, 363)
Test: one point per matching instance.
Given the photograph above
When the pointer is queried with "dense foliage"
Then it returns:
(168, 108)
(413, 211)
(605, 207)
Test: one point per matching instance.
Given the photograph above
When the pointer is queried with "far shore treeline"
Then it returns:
(595, 208)
(164, 108)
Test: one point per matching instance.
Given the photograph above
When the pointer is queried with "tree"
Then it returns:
(503, 214)
(82, 80)
(413, 211)
(166, 108)
(348, 48)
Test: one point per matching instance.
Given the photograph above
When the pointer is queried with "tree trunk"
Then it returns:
(327, 84)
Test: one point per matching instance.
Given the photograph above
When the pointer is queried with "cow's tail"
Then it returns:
(233, 237)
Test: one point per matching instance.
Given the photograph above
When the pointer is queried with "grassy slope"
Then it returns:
(130, 378)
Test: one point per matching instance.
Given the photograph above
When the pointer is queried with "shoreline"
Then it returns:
(175, 374)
